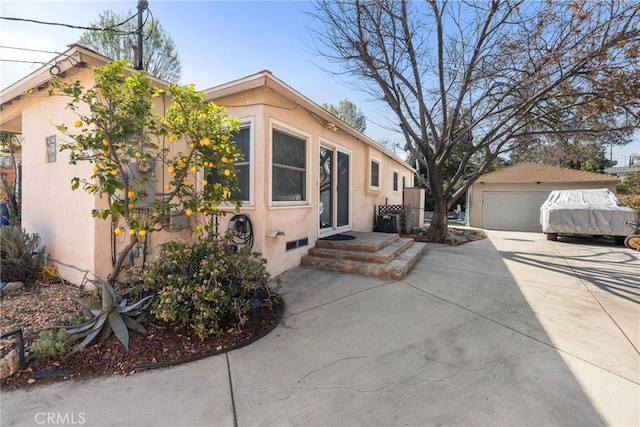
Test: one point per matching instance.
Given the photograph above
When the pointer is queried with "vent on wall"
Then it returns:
(295, 244)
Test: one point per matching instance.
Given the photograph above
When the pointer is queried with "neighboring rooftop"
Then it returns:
(623, 170)
(537, 172)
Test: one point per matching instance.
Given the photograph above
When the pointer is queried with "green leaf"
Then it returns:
(86, 304)
(134, 324)
(119, 328)
(83, 327)
(141, 305)
(107, 298)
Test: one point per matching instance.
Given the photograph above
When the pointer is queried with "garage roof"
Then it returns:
(535, 172)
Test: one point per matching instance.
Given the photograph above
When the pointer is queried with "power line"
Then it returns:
(111, 28)
(23, 62)
(30, 50)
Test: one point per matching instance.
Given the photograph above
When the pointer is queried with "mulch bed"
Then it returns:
(457, 236)
(46, 304)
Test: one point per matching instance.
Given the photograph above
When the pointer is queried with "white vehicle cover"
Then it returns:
(591, 212)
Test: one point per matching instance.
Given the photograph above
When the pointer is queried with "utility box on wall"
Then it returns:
(415, 197)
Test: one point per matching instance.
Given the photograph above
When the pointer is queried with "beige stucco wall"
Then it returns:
(60, 216)
(78, 243)
(475, 195)
(266, 109)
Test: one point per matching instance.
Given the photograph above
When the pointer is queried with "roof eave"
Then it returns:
(266, 78)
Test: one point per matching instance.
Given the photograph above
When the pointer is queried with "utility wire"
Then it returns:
(111, 28)
(23, 62)
(153, 27)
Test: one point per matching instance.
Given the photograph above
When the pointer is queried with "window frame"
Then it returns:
(282, 127)
(395, 181)
(247, 122)
(377, 161)
(52, 155)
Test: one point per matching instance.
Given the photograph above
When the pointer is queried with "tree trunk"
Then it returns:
(112, 278)
(438, 229)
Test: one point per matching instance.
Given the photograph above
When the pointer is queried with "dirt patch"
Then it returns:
(43, 305)
(456, 236)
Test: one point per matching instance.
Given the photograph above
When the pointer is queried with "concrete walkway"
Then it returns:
(510, 330)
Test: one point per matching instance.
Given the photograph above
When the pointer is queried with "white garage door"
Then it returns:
(517, 211)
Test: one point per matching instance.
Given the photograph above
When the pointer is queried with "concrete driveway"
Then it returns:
(510, 330)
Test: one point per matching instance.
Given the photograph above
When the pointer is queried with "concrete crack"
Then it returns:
(485, 365)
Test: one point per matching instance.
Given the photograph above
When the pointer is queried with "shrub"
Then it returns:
(206, 283)
(52, 344)
(19, 260)
(110, 314)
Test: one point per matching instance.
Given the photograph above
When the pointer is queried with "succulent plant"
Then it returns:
(112, 314)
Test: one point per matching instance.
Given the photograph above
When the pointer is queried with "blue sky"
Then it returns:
(218, 41)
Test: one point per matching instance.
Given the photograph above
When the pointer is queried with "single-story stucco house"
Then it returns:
(510, 198)
(344, 174)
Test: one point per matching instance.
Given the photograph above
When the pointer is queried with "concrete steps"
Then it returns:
(372, 254)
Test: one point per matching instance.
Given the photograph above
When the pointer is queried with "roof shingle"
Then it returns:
(536, 172)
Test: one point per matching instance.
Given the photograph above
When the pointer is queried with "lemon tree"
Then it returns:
(118, 131)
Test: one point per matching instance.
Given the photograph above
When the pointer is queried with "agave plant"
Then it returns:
(110, 316)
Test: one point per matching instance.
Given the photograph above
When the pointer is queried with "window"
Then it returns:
(52, 148)
(243, 144)
(404, 182)
(288, 167)
(375, 173)
(395, 181)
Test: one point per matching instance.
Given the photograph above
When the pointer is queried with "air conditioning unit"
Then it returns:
(388, 223)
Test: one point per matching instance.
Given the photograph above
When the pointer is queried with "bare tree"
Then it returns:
(479, 79)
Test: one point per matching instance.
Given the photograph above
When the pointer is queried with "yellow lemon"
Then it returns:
(214, 208)
(186, 183)
(105, 142)
(138, 154)
(205, 182)
(118, 231)
(188, 212)
(142, 233)
(90, 189)
(77, 124)
(131, 194)
(224, 159)
(224, 137)
(167, 187)
(205, 142)
(132, 232)
(194, 169)
(227, 172)
(95, 169)
(199, 227)
(132, 206)
(192, 145)
(171, 169)
(172, 138)
(114, 172)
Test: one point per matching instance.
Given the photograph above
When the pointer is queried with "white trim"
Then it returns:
(286, 128)
(324, 232)
(395, 172)
(379, 162)
(244, 122)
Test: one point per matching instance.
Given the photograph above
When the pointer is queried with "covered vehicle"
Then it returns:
(586, 212)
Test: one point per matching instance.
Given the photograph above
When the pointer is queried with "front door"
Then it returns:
(334, 191)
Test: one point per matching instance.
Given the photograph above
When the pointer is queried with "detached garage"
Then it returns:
(510, 198)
